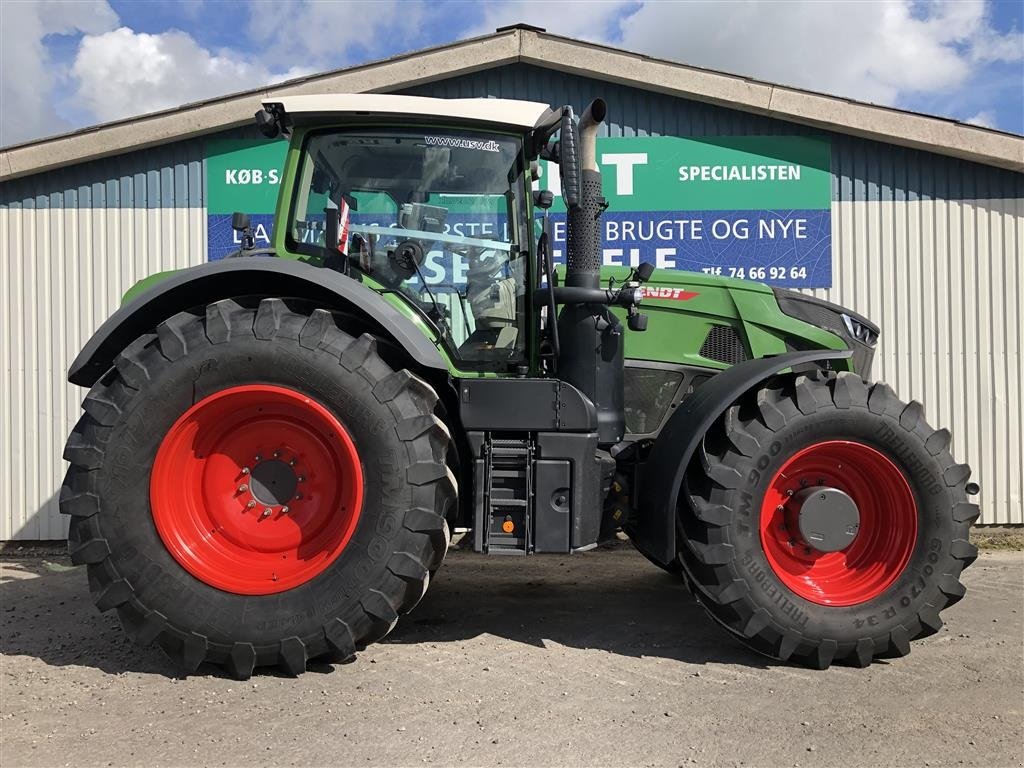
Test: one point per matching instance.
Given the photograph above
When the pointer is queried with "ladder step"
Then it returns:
(495, 502)
(509, 472)
(512, 473)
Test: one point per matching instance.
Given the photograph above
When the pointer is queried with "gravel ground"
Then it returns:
(596, 659)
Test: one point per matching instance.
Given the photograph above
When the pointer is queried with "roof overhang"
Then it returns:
(506, 112)
(532, 46)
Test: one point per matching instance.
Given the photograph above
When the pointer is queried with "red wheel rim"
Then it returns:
(883, 544)
(256, 489)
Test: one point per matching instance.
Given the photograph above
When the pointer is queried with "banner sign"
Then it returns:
(756, 207)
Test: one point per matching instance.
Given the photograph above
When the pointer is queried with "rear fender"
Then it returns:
(662, 474)
(248, 276)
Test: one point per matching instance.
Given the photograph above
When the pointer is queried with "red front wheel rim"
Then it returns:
(883, 543)
(256, 489)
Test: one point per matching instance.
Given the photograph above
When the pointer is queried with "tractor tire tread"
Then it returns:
(424, 535)
(705, 518)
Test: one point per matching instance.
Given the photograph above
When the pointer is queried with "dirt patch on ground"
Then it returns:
(596, 659)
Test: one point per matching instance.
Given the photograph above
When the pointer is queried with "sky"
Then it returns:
(67, 65)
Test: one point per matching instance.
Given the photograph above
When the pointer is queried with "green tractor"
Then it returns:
(277, 445)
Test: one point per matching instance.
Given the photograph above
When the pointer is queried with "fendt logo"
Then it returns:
(674, 294)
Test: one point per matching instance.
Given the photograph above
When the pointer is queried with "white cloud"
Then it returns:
(596, 20)
(27, 74)
(986, 119)
(322, 35)
(872, 51)
(890, 51)
(123, 72)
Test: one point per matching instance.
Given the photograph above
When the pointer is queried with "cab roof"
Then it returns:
(519, 114)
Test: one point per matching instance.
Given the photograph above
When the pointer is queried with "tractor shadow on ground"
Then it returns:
(46, 612)
(611, 600)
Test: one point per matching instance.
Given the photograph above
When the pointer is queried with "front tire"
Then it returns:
(861, 589)
(256, 487)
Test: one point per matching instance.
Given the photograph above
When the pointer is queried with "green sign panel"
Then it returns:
(666, 173)
(243, 175)
(741, 206)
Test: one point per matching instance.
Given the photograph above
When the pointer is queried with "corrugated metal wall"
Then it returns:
(71, 243)
(929, 247)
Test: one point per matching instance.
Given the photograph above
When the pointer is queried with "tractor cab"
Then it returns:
(425, 198)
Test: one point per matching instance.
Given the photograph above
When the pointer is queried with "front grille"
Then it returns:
(724, 345)
(649, 393)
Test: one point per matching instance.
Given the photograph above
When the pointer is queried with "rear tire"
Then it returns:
(168, 580)
(787, 600)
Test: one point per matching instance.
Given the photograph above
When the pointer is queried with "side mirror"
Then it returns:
(569, 158)
(240, 221)
(644, 271)
(543, 199)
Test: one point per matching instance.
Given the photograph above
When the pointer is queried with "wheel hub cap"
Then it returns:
(274, 482)
(256, 489)
(838, 523)
(828, 519)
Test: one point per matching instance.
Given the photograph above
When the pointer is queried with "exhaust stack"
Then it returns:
(591, 357)
(583, 221)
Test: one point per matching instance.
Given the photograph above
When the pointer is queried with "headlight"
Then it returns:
(860, 330)
(860, 334)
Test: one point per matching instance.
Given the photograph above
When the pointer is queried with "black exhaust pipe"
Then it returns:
(591, 350)
(583, 220)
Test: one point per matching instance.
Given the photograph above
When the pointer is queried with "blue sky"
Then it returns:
(65, 65)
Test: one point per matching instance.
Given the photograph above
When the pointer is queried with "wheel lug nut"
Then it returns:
(789, 492)
(258, 457)
(780, 508)
(243, 488)
(302, 478)
(245, 470)
(293, 462)
(251, 504)
(277, 454)
(298, 495)
(266, 512)
(285, 510)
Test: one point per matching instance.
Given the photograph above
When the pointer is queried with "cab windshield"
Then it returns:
(436, 215)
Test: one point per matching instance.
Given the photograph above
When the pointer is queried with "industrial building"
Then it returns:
(915, 221)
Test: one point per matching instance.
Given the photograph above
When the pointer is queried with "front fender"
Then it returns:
(662, 474)
(248, 276)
